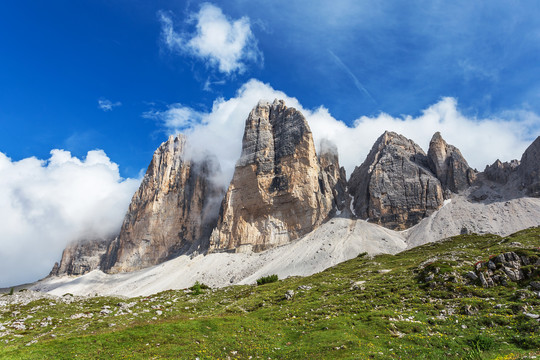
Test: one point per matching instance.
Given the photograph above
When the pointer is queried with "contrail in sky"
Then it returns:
(357, 83)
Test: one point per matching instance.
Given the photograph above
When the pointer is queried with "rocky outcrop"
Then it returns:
(529, 169)
(173, 211)
(332, 173)
(500, 172)
(81, 257)
(506, 267)
(394, 186)
(279, 191)
(450, 167)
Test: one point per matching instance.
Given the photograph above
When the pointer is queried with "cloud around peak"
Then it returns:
(45, 204)
(223, 43)
(219, 131)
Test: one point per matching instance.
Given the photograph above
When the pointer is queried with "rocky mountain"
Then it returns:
(394, 186)
(500, 172)
(81, 257)
(173, 211)
(279, 191)
(282, 190)
(448, 165)
(529, 169)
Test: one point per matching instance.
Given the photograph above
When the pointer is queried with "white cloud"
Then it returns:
(107, 105)
(481, 141)
(177, 117)
(222, 42)
(45, 204)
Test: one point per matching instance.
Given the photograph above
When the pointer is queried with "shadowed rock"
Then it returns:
(529, 169)
(500, 172)
(394, 186)
(447, 163)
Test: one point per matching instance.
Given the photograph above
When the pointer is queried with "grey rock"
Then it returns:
(471, 275)
(450, 167)
(529, 169)
(289, 294)
(508, 259)
(486, 280)
(172, 213)
(532, 316)
(280, 189)
(513, 273)
(394, 186)
(332, 174)
(535, 285)
(500, 172)
(81, 257)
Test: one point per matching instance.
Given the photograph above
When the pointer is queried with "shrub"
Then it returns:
(11, 291)
(362, 254)
(267, 279)
(198, 288)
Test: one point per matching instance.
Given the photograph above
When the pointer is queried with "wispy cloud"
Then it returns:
(176, 117)
(107, 105)
(357, 82)
(223, 43)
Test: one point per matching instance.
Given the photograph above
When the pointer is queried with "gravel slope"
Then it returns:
(338, 240)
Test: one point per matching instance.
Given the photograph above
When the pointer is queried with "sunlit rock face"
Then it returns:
(279, 191)
(172, 213)
(394, 187)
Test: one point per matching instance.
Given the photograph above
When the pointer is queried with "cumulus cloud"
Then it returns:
(107, 105)
(45, 204)
(220, 41)
(220, 130)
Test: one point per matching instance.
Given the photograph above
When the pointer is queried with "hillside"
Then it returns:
(421, 303)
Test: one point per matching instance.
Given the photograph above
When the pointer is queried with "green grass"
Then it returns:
(365, 308)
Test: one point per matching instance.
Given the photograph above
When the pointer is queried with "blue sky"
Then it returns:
(59, 58)
(105, 82)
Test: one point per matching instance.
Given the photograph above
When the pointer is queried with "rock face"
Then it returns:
(279, 190)
(332, 173)
(500, 172)
(447, 163)
(394, 186)
(173, 211)
(81, 257)
(529, 169)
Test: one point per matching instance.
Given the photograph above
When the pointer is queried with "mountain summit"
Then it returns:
(282, 190)
(279, 191)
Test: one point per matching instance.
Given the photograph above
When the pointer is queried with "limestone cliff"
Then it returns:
(172, 212)
(448, 165)
(501, 172)
(394, 186)
(81, 257)
(279, 191)
(529, 169)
